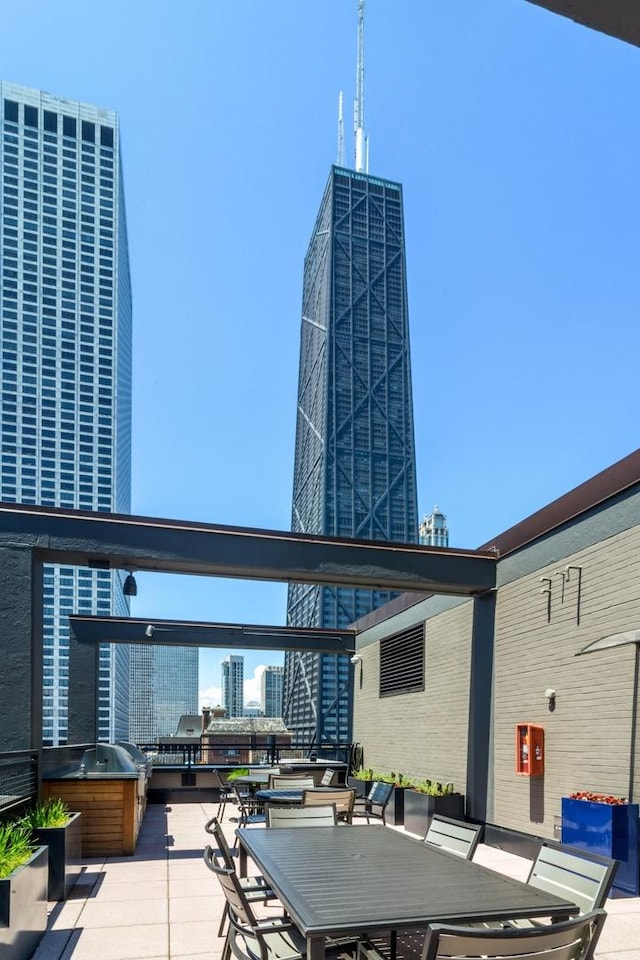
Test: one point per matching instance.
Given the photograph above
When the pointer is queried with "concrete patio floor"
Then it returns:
(163, 903)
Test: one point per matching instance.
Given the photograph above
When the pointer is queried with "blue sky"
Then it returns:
(514, 133)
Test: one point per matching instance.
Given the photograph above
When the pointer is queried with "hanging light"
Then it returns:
(130, 587)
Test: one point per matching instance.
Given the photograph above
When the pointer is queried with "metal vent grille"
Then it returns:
(402, 662)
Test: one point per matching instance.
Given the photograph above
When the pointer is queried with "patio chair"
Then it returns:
(343, 800)
(255, 888)
(225, 793)
(583, 878)
(571, 940)
(252, 938)
(327, 777)
(324, 816)
(375, 803)
(454, 836)
(249, 814)
(280, 782)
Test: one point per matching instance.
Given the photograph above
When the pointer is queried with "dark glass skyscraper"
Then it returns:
(354, 472)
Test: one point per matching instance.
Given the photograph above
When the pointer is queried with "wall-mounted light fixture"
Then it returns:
(130, 587)
(547, 590)
(550, 694)
(356, 658)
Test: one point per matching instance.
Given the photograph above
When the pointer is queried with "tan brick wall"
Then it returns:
(420, 734)
(587, 736)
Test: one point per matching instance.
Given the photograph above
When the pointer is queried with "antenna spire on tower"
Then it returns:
(358, 113)
(340, 132)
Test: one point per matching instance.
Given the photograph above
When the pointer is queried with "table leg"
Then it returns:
(315, 948)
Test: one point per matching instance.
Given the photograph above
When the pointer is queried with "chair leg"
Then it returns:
(223, 919)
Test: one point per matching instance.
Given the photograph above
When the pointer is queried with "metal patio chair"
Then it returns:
(284, 782)
(454, 836)
(343, 800)
(571, 940)
(373, 806)
(252, 938)
(320, 816)
(255, 888)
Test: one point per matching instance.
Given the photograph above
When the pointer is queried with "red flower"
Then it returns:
(596, 797)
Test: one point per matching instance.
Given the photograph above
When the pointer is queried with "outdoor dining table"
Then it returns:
(355, 880)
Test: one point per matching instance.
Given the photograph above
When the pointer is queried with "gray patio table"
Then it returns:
(351, 880)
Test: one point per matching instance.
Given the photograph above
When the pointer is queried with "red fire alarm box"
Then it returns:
(529, 750)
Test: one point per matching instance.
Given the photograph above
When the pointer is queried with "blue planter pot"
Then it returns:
(610, 830)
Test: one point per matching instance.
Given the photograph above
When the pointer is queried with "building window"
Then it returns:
(11, 111)
(402, 662)
(88, 131)
(50, 121)
(69, 126)
(30, 116)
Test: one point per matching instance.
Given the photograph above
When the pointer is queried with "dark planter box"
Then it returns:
(419, 808)
(23, 907)
(394, 814)
(610, 830)
(65, 855)
(361, 787)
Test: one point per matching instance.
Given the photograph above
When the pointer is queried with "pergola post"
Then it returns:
(21, 636)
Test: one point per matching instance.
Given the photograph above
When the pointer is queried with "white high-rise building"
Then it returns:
(434, 531)
(233, 686)
(271, 687)
(65, 374)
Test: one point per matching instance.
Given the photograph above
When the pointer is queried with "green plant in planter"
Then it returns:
(364, 773)
(52, 812)
(397, 779)
(16, 846)
(431, 787)
(240, 772)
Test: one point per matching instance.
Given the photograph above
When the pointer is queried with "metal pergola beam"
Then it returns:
(32, 535)
(172, 546)
(189, 633)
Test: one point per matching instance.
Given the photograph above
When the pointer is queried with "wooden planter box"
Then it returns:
(65, 855)
(419, 808)
(111, 811)
(610, 830)
(23, 907)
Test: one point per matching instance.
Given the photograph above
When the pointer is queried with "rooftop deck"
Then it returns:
(163, 903)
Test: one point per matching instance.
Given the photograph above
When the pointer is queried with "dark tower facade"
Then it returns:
(354, 471)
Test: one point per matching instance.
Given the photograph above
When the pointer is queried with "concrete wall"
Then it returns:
(589, 736)
(406, 733)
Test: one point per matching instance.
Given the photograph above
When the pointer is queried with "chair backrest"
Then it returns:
(585, 880)
(454, 836)
(213, 826)
(278, 816)
(238, 903)
(327, 777)
(343, 799)
(262, 770)
(290, 783)
(380, 793)
(571, 940)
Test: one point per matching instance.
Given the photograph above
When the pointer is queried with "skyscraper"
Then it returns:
(233, 686)
(65, 379)
(271, 685)
(164, 683)
(433, 530)
(354, 468)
